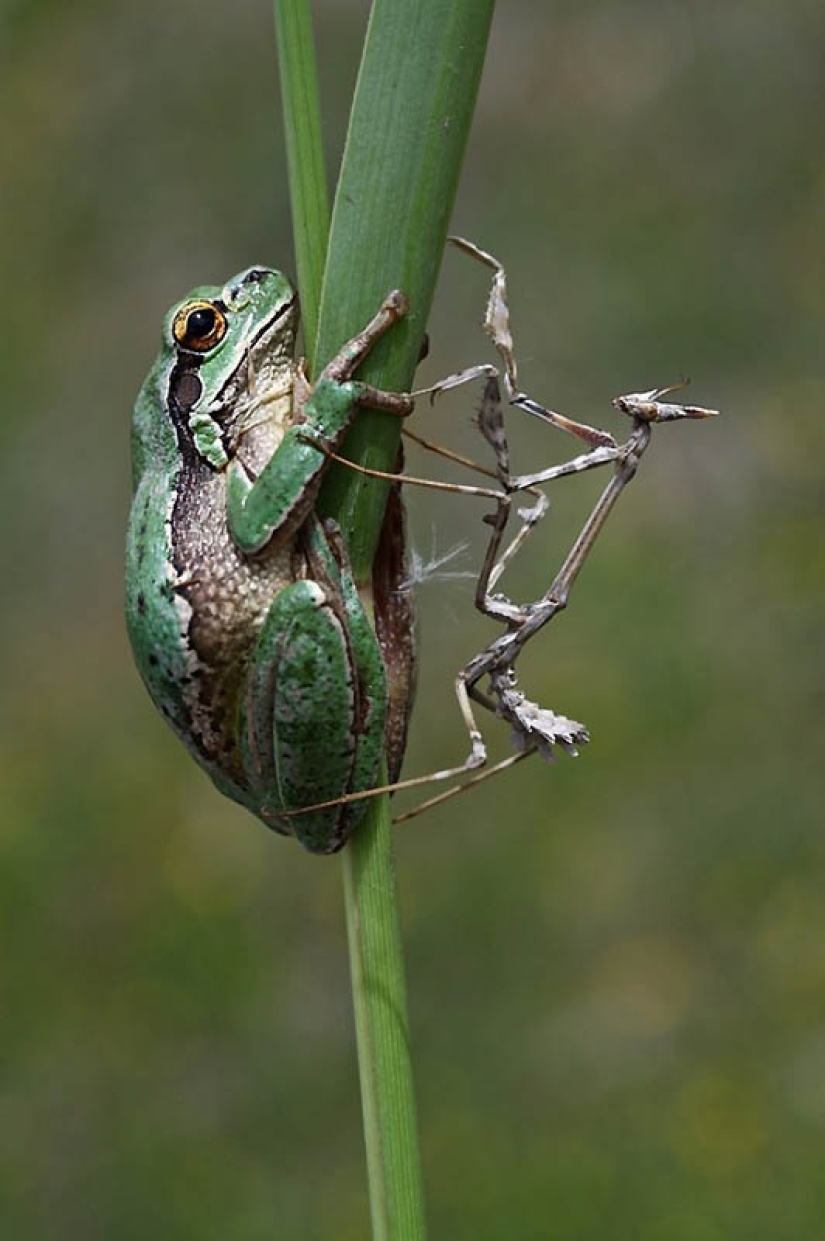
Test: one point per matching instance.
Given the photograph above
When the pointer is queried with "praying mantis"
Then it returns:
(533, 728)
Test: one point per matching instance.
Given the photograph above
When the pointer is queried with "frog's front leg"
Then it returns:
(313, 712)
(276, 503)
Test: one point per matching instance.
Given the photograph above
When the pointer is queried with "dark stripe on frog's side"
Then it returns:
(185, 389)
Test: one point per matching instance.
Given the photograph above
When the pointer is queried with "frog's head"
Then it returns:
(227, 342)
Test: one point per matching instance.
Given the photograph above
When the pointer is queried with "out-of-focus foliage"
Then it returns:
(616, 965)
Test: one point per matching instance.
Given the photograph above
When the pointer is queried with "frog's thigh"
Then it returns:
(298, 725)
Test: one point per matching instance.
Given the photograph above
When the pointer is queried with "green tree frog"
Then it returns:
(241, 608)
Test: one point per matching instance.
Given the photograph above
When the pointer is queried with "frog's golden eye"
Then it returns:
(199, 326)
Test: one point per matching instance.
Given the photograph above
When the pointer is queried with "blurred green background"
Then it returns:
(617, 964)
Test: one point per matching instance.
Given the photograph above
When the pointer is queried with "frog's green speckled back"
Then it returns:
(257, 650)
(152, 617)
(177, 529)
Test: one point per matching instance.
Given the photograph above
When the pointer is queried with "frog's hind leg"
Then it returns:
(305, 712)
(328, 559)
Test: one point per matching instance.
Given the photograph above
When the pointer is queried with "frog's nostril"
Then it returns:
(255, 275)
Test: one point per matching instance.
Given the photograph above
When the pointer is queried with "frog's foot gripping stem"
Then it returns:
(339, 370)
(350, 356)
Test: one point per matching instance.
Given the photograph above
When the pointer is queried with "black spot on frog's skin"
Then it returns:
(142, 530)
(152, 660)
(185, 389)
(141, 602)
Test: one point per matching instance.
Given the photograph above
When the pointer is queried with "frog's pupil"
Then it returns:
(200, 322)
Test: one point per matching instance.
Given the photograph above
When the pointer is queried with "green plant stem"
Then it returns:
(382, 1032)
(308, 194)
(410, 119)
(409, 124)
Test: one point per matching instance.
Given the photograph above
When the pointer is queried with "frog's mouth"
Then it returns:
(263, 375)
